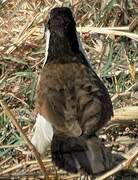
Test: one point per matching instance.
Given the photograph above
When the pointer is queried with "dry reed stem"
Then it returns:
(120, 94)
(22, 165)
(133, 24)
(10, 114)
(9, 146)
(108, 31)
(126, 113)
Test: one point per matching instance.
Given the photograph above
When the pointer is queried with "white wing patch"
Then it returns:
(42, 135)
(47, 34)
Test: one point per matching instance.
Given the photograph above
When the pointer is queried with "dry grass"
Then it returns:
(109, 31)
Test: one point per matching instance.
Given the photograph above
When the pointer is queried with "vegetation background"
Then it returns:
(109, 32)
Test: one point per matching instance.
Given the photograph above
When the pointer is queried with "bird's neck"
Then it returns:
(58, 47)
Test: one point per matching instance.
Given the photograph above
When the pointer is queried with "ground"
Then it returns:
(112, 52)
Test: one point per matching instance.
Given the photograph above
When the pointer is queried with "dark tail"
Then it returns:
(75, 154)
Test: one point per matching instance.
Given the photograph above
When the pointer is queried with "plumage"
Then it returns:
(72, 98)
(43, 134)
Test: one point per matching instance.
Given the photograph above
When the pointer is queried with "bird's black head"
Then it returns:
(62, 39)
(61, 21)
(62, 43)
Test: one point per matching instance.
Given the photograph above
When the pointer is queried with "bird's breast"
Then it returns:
(57, 96)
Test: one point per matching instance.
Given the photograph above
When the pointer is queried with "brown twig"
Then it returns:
(11, 115)
(124, 165)
(5, 160)
(120, 94)
(126, 93)
(17, 98)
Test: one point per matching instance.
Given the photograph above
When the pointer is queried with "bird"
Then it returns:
(72, 102)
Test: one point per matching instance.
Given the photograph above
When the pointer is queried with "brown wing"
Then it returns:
(73, 98)
(94, 103)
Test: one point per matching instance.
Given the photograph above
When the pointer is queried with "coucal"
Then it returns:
(72, 102)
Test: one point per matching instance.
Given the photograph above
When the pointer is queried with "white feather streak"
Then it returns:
(47, 34)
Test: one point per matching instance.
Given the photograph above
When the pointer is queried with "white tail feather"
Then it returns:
(42, 135)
